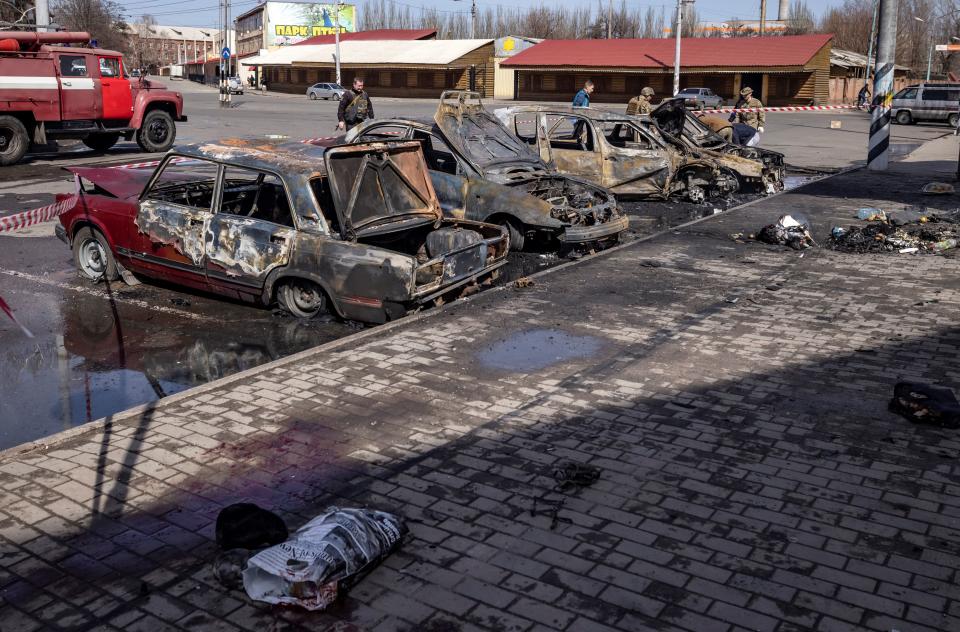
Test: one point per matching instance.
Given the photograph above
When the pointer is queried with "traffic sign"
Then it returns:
(948, 47)
(225, 53)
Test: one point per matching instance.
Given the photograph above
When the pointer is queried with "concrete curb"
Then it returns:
(98, 424)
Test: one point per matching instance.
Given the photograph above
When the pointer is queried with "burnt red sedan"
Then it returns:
(356, 230)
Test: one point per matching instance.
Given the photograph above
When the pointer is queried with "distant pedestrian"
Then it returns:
(582, 98)
(753, 119)
(642, 104)
(863, 95)
(720, 125)
(355, 106)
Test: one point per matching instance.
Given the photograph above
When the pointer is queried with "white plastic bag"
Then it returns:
(326, 555)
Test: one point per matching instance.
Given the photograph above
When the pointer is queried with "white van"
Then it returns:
(927, 102)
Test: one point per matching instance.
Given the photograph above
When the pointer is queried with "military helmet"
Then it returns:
(647, 92)
(746, 91)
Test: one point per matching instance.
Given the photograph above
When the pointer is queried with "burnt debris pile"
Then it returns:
(907, 232)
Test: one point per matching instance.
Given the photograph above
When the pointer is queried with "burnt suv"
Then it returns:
(482, 172)
(358, 232)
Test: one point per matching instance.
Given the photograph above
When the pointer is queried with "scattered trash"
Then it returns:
(180, 302)
(912, 231)
(571, 474)
(872, 214)
(835, 124)
(925, 404)
(787, 232)
(323, 558)
(938, 188)
(524, 282)
(717, 211)
(732, 300)
(247, 526)
(652, 263)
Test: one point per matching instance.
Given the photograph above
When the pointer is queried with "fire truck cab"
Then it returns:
(51, 91)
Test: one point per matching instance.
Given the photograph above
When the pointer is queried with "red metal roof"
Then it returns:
(786, 50)
(376, 34)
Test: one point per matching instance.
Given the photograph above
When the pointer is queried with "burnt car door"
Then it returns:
(633, 161)
(251, 232)
(573, 145)
(171, 218)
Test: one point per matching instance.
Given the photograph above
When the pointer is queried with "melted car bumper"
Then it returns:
(580, 234)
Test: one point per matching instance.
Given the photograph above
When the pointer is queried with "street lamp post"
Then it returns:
(676, 52)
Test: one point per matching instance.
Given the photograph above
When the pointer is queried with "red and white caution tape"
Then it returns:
(17, 221)
(788, 108)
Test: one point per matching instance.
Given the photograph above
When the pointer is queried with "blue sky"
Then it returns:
(204, 12)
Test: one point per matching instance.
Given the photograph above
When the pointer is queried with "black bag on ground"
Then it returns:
(247, 526)
(925, 404)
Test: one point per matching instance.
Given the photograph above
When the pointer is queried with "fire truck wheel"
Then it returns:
(101, 142)
(14, 140)
(157, 132)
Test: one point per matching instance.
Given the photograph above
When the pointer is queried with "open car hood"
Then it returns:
(378, 185)
(477, 134)
(670, 116)
(120, 183)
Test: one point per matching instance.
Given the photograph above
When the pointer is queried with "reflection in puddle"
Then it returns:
(537, 349)
(792, 182)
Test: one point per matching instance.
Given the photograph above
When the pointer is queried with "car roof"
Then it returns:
(259, 153)
(591, 113)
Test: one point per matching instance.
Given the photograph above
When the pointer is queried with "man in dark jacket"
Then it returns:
(355, 106)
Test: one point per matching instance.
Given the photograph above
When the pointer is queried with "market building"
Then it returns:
(395, 68)
(782, 70)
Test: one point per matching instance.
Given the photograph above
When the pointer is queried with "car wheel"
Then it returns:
(313, 96)
(515, 231)
(92, 256)
(302, 298)
(157, 132)
(952, 119)
(904, 118)
(101, 142)
(14, 140)
(336, 97)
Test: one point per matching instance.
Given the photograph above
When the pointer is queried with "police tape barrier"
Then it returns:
(18, 221)
(789, 108)
(9, 312)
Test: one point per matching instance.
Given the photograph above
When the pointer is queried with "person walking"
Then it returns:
(642, 104)
(355, 106)
(863, 95)
(582, 98)
(753, 119)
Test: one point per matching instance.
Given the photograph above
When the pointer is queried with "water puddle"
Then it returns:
(537, 349)
(792, 182)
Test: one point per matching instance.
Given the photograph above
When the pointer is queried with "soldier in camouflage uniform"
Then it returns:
(641, 104)
(753, 119)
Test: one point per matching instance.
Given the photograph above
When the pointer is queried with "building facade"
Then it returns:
(155, 46)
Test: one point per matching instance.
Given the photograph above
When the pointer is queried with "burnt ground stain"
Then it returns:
(537, 349)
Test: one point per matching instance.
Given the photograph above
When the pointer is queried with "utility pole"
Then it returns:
(473, 19)
(225, 53)
(41, 14)
(676, 53)
(336, 39)
(873, 38)
(610, 19)
(878, 148)
(763, 16)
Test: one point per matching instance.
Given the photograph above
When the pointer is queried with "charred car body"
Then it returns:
(359, 232)
(481, 172)
(676, 121)
(616, 151)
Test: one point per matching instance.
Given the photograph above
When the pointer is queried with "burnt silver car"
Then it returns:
(482, 172)
(672, 118)
(615, 151)
(356, 230)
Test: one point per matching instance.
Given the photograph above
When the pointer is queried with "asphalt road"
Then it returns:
(98, 350)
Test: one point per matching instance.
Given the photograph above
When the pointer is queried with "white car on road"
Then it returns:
(325, 91)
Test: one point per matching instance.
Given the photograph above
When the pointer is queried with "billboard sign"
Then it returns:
(292, 22)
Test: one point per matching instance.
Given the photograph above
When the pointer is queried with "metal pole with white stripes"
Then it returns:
(878, 152)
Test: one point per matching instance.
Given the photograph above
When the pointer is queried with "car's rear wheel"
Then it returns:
(904, 118)
(92, 256)
(313, 96)
(14, 140)
(157, 132)
(952, 119)
(302, 298)
(336, 96)
(101, 142)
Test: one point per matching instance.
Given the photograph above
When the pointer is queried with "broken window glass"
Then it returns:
(188, 183)
(255, 194)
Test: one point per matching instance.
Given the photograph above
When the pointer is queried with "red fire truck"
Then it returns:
(50, 91)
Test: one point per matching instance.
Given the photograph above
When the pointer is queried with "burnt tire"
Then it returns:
(101, 142)
(904, 117)
(92, 256)
(302, 298)
(157, 132)
(516, 234)
(14, 140)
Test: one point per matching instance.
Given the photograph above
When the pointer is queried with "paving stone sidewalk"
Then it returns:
(734, 396)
